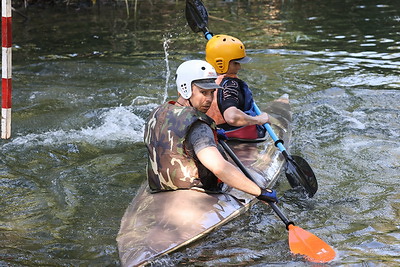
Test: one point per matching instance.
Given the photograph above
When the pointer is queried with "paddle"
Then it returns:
(298, 171)
(300, 241)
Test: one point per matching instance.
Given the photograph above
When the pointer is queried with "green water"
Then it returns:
(85, 80)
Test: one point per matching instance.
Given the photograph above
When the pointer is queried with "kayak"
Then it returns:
(157, 224)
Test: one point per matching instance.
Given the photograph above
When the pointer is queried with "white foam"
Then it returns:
(116, 124)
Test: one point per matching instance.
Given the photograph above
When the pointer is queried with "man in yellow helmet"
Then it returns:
(232, 108)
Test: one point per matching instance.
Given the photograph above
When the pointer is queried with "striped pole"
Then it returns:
(6, 85)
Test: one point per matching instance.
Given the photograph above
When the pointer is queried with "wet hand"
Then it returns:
(268, 195)
(263, 118)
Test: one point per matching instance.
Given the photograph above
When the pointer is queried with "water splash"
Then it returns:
(115, 125)
(118, 124)
(168, 71)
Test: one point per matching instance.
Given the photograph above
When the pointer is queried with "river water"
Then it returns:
(85, 79)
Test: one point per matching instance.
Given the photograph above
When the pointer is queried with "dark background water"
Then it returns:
(84, 80)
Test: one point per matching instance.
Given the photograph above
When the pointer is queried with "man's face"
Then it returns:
(201, 98)
(234, 68)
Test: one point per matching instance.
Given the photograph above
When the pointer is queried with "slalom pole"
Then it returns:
(6, 85)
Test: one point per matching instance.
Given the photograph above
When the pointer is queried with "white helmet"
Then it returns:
(199, 72)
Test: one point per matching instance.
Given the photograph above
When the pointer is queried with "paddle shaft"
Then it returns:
(278, 142)
(208, 35)
(233, 156)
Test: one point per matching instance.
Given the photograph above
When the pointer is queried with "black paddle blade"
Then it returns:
(299, 173)
(196, 15)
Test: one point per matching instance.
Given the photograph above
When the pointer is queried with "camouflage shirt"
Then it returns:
(170, 166)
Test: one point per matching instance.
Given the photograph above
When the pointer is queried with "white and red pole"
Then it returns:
(6, 85)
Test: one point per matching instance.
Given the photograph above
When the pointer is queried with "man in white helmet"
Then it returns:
(182, 142)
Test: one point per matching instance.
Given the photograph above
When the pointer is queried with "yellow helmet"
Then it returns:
(221, 49)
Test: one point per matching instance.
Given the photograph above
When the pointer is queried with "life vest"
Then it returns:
(170, 167)
(232, 132)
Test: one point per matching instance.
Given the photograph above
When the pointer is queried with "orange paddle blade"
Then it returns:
(309, 245)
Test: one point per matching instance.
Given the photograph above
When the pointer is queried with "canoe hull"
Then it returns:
(166, 221)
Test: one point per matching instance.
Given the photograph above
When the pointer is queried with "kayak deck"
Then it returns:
(166, 221)
(157, 224)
